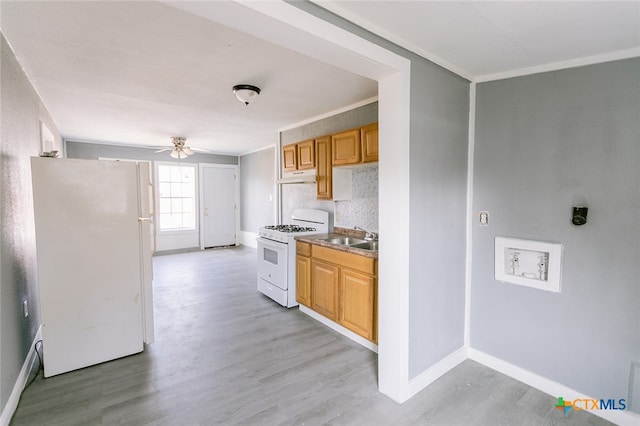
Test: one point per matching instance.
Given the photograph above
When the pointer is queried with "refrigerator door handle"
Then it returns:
(153, 231)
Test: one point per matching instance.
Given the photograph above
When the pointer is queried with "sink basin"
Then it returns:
(367, 245)
(345, 241)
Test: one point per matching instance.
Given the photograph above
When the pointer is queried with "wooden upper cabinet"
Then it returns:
(324, 171)
(369, 137)
(290, 158)
(306, 155)
(346, 148)
(341, 149)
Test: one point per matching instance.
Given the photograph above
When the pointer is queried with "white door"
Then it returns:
(218, 205)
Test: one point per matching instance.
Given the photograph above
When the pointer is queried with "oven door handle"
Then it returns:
(271, 243)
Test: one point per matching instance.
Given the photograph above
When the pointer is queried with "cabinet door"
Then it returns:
(289, 158)
(369, 137)
(324, 173)
(324, 291)
(303, 280)
(357, 303)
(306, 155)
(346, 147)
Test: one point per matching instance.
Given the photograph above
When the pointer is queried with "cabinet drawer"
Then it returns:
(349, 260)
(303, 249)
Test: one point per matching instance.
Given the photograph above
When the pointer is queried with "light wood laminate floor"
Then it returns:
(226, 355)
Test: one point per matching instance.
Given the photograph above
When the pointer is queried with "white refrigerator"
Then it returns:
(93, 245)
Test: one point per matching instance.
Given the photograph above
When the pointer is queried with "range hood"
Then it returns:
(303, 176)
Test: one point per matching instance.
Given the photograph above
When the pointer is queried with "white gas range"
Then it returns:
(277, 253)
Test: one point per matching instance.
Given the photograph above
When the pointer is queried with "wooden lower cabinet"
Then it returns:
(303, 280)
(340, 286)
(358, 303)
(324, 289)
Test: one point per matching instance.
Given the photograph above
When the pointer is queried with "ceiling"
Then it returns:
(137, 73)
(483, 40)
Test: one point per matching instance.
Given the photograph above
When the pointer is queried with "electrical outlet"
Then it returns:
(25, 308)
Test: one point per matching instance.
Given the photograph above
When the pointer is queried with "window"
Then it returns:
(177, 192)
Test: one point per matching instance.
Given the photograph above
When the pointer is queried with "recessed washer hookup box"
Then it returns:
(534, 264)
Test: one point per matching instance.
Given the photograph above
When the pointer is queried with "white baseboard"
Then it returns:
(550, 387)
(434, 372)
(21, 381)
(248, 239)
(340, 329)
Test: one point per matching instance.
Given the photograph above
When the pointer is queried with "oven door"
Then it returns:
(272, 262)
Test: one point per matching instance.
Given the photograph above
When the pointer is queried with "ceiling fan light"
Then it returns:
(246, 93)
(179, 150)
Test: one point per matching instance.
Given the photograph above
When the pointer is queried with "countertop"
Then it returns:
(316, 239)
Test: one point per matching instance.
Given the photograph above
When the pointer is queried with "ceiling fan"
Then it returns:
(179, 149)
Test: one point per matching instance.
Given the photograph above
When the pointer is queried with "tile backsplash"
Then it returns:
(362, 209)
(301, 196)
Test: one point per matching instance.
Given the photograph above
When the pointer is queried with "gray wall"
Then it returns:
(20, 114)
(438, 171)
(543, 142)
(304, 195)
(438, 143)
(257, 190)
(91, 151)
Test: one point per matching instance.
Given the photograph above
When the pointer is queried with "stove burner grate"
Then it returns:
(290, 228)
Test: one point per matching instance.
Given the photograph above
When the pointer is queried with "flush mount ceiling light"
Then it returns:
(246, 93)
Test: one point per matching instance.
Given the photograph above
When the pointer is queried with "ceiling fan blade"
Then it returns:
(163, 150)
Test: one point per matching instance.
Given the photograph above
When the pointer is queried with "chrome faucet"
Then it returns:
(368, 235)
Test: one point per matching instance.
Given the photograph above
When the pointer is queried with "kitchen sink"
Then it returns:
(345, 241)
(367, 245)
